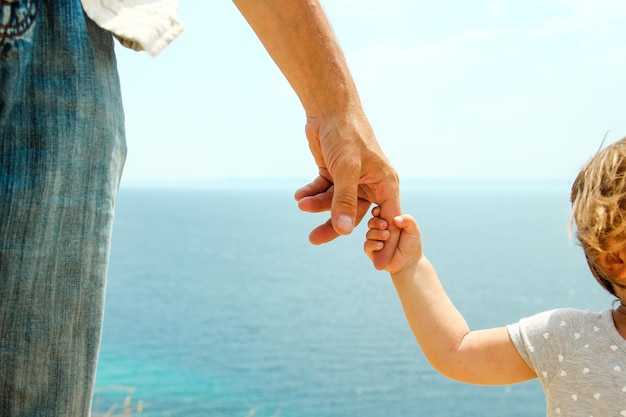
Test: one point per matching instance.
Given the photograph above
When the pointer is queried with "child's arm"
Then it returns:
(485, 357)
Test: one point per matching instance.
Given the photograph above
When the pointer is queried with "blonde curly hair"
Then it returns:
(599, 207)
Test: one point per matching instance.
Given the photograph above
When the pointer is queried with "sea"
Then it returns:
(217, 304)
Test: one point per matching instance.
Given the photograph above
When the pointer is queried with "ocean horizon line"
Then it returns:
(294, 183)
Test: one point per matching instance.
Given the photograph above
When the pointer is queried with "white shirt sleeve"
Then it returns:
(149, 25)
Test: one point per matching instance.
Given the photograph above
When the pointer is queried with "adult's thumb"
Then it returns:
(343, 209)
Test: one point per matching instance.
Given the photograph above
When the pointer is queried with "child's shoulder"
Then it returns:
(560, 333)
(564, 318)
(574, 325)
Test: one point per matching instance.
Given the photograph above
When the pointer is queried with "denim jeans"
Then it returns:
(62, 149)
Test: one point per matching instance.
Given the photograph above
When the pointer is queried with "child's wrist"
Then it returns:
(410, 269)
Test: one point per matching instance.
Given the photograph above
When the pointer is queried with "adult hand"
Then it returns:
(353, 173)
(353, 169)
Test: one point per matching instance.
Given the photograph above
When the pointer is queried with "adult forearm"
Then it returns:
(300, 40)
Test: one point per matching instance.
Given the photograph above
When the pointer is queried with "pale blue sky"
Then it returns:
(454, 89)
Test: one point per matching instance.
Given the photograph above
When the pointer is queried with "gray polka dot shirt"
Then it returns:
(580, 359)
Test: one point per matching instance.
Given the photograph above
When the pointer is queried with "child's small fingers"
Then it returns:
(371, 246)
(377, 234)
(377, 223)
(376, 211)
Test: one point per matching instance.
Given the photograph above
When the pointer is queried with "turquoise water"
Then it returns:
(217, 305)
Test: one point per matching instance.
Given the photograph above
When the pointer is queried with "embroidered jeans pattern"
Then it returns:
(18, 17)
(62, 149)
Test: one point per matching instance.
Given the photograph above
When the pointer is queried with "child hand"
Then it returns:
(409, 248)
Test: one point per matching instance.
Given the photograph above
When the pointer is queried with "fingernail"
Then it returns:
(344, 223)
